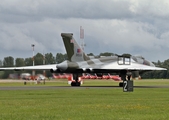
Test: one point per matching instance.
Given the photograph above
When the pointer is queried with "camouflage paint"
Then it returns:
(74, 51)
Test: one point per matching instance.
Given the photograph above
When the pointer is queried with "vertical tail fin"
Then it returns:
(74, 51)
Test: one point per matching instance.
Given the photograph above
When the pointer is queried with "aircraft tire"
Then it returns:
(73, 84)
(121, 84)
(78, 84)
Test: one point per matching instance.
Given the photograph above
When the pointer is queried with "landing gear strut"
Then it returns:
(126, 84)
(76, 78)
(123, 77)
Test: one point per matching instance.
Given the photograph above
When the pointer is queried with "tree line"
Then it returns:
(164, 74)
(39, 59)
(49, 58)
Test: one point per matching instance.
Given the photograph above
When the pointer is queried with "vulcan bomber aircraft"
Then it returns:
(78, 63)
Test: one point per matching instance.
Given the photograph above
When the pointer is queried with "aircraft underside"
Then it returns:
(76, 76)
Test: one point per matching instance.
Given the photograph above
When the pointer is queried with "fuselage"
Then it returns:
(97, 63)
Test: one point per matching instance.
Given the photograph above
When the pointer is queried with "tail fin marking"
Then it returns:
(74, 51)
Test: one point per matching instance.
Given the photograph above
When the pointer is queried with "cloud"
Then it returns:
(155, 8)
(28, 10)
(132, 26)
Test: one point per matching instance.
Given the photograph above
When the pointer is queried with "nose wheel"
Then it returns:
(75, 84)
(121, 84)
(76, 81)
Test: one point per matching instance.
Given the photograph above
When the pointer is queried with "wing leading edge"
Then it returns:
(38, 67)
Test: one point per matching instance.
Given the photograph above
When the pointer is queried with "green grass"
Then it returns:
(63, 82)
(85, 103)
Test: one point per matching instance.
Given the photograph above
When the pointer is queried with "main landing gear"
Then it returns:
(126, 84)
(76, 81)
(123, 77)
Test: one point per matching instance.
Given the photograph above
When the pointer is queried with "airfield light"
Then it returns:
(33, 54)
(33, 72)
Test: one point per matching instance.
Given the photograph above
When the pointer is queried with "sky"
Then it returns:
(137, 27)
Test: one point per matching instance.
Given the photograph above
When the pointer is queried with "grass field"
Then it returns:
(85, 103)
